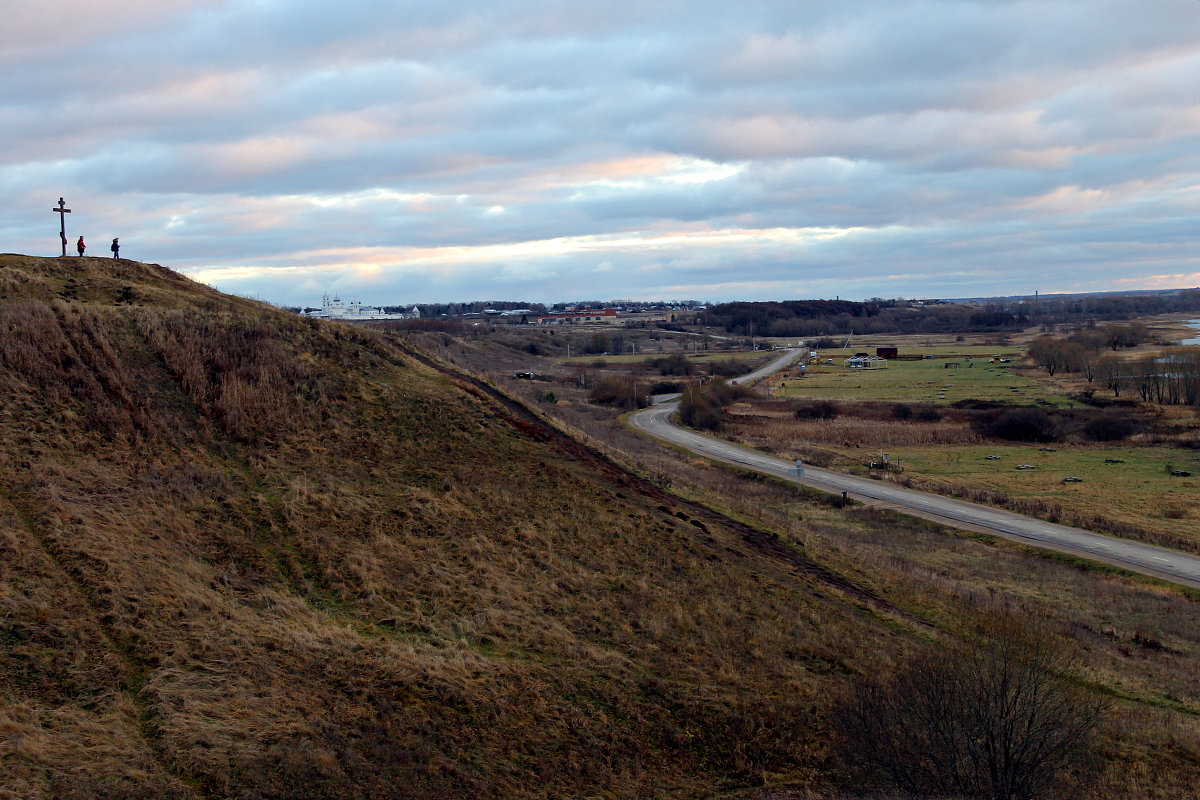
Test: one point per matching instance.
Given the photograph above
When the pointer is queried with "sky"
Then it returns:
(408, 152)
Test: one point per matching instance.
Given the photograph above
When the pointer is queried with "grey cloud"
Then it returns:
(982, 141)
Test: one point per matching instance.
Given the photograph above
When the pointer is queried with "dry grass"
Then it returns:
(856, 426)
(246, 556)
(1151, 737)
(1141, 641)
(1126, 489)
(272, 557)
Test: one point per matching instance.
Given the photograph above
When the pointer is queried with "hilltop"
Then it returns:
(247, 554)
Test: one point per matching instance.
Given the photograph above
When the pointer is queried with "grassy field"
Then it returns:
(924, 381)
(1138, 490)
(1135, 496)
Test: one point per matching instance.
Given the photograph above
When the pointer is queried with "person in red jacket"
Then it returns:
(80, 246)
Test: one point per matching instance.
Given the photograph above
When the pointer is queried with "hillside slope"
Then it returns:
(247, 555)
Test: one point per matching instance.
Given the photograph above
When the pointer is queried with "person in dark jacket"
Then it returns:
(80, 246)
(116, 248)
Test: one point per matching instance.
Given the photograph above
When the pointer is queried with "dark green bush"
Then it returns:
(676, 364)
(1022, 424)
(1109, 427)
(817, 409)
(928, 414)
(666, 387)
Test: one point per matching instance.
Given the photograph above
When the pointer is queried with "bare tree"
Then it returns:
(1088, 360)
(1114, 372)
(1189, 372)
(1048, 352)
(1130, 334)
(996, 714)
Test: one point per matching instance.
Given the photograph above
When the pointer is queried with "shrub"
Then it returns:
(1109, 427)
(676, 364)
(705, 408)
(598, 343)
(929, 414)
(817, 409)
(701, 410)
(997, 714)
(619, 391)
(901, 411)
(728, 368)
(976, 404)
(1023, 424)
(666, 387)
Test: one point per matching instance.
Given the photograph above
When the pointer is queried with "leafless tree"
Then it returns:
(997, 713)
(1048, 352)
(1088, 361)
(1114, 372)
(1130, 334)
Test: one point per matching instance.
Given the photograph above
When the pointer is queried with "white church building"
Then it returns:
(355, 310)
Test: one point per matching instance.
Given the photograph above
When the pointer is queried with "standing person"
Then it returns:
(80, 246)
(116, 248)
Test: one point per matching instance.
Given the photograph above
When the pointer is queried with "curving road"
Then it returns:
(1159, 562)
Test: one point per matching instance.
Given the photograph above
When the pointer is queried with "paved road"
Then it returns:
(1147, 559)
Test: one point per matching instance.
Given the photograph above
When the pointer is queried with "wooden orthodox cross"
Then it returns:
(62, 220)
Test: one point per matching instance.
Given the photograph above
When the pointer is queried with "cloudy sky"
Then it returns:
(541, 150)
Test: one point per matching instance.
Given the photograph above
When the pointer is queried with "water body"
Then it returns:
(1195, 325)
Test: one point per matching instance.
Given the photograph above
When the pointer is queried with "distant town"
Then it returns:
(514, 313)
(785, 318)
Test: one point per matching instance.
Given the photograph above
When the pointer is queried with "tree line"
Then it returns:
(1170, 378)
(812, 318)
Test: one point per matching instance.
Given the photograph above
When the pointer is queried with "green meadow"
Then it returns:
(969, 375)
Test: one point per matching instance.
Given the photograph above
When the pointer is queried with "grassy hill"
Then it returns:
(247, 555)
(244, 554)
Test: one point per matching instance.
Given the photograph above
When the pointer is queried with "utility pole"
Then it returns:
(62, 212)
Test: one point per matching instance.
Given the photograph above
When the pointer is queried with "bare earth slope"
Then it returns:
(246, 555)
